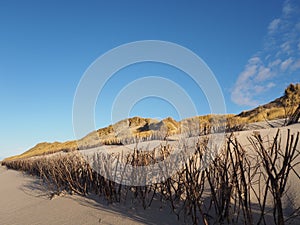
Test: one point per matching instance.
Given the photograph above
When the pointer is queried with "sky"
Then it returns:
(252, 48)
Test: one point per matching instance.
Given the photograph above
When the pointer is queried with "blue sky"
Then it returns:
(252, 47)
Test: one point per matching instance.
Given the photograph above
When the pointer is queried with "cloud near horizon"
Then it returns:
(279, 56)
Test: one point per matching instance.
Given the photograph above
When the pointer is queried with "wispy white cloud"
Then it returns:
(274, 25)
(248, 82)
(286, 47)
(285, 64)
(263, 73)
(287, 8)
(250, 70)
(280, 56)
(270, 85)
(274, 63)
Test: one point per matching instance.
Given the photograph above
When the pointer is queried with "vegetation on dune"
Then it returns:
(142, 129)
(235, 186)
(47, 148)
(280, 108)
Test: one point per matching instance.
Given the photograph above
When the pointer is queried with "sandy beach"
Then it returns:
(24, 201)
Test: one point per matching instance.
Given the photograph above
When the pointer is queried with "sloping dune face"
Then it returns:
(136, 129)
(255, 174)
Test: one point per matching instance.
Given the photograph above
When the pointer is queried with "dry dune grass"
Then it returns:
(137, 129)
(47, 148)
(282, 107)
(196, 126)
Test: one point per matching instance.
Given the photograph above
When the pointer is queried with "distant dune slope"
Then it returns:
(127, 131)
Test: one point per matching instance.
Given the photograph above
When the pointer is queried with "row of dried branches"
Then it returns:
(234, 186)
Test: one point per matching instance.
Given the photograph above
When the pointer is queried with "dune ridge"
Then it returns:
(130, 130)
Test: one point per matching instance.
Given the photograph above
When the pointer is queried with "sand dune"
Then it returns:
(25, 201)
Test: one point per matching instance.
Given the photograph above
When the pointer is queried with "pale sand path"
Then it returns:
(23, 201)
